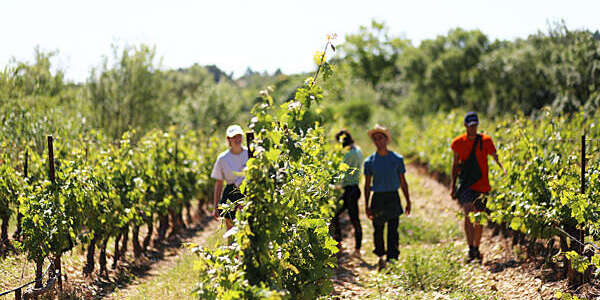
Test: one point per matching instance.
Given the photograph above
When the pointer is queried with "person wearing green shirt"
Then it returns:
(351, 194)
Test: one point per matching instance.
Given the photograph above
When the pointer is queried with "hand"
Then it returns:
(369, 213)
(407, 211)
(453, 192)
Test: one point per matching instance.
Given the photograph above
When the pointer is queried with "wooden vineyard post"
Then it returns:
(17, 234)
(575, 278)
(57, 263)
(51, 159)
(581, 248)
(178, 216)
(583, 161)
(163, 217)
(587, 275)
(249, 140)
(39, 271)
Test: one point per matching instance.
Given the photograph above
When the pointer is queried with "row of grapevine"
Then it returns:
(542, 155)
(102, 190)
(281, 246)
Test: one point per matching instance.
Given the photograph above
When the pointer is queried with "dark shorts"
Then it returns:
(469, 196)
(231, 194)
(385, 206)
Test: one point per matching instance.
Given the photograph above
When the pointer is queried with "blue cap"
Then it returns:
(471, 118)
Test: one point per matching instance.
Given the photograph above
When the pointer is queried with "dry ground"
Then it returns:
(502, 274)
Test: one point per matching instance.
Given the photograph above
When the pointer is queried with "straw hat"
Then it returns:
(380, 129)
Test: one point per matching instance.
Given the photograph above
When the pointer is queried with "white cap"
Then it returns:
(234, 130)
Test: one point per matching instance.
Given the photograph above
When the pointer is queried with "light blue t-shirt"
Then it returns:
(385, 170)
(353, 159)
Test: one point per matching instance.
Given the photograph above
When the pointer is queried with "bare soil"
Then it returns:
(505, 269)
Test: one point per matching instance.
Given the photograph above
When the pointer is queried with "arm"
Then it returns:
(216, 196)
(495, 156)
(367, 196)
(404, 187)
(454, 175)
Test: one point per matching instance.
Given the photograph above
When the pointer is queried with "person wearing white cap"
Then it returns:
(227, 169)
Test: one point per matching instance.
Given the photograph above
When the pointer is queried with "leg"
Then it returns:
(392, 238)
(473, 232)
(478, 206)
(378, 239)
(353, 212)
(477, 231)
(467, 208)
(335, 224)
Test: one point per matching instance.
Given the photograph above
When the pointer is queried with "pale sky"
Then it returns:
(264, 35)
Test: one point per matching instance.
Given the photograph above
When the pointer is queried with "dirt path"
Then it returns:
(196, 235)
(502, 272)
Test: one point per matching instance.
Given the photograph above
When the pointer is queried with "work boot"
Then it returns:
(477, 255)
(380, 264)
(471, 254)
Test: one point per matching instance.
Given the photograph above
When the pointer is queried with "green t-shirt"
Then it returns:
(353, 159)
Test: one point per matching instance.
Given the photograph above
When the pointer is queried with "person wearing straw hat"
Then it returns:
(227, 169)
(470, 166)
(384, 173)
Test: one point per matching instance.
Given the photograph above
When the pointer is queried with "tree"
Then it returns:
(128, 94)
(442, 70)
(372, 53)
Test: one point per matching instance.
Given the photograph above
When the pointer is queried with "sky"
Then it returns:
(262, 35)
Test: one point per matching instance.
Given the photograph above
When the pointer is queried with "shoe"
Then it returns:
(471, 254)
(380, 264)
(477, 255)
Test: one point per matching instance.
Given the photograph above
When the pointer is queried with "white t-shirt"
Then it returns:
(227, 164)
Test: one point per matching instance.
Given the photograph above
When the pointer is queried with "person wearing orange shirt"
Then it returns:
(470, 166)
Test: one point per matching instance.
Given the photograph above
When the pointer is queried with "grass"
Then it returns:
(418, 230)
(426, 272)
(430, 265)
(179, 281)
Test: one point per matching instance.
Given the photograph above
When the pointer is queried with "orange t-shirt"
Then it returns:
(463, 146)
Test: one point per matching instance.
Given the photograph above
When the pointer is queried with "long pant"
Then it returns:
(350, 197)
(392, 238)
